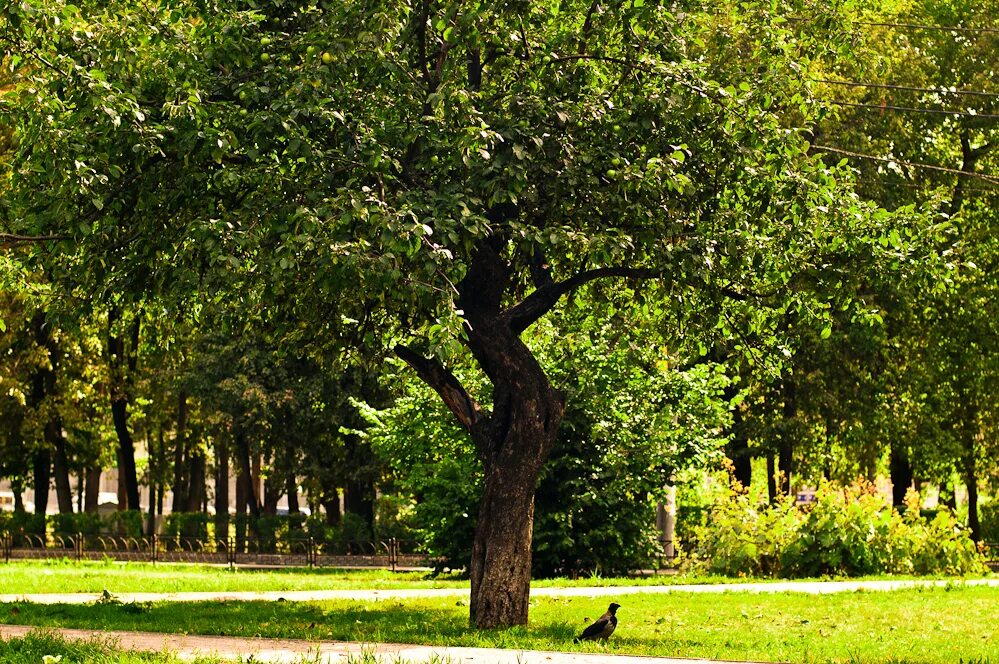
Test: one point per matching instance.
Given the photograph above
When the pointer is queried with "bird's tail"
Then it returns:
(576, 640)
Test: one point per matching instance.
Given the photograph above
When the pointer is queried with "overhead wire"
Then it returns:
(911, 109)
(906, 88)
(911, 164)
(908, 26)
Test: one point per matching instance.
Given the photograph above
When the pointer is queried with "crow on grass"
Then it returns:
(602, 627)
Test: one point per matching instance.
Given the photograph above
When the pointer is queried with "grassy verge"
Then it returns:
(66, 576)
(41, 647)
(928, 626)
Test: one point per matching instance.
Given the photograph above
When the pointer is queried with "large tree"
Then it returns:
(438, 173)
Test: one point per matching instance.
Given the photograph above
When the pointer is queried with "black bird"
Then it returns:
(602, 627)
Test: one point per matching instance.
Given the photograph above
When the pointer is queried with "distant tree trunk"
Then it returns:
(64, 491)
(79, 489)
(92, 492)
(246, 475)
(272, 494)
(42, 384)
(359, 500)
(291, 488)
(196, 463)
(17, 488)
(42, 467)
(221, 490)
(331, 508)
(971, 482)
(787, 434)
(241, 487)
(771, 478)
(123, 363)
(901, 473)
(179, 453)
(948, 497)
(738, 451)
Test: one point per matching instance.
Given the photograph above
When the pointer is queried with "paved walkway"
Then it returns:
(322, 652)
(809, 587)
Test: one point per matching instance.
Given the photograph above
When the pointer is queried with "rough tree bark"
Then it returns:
(123, 362)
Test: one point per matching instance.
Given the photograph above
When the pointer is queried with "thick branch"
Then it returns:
(12, 239)
(542, 300)
(450, 389)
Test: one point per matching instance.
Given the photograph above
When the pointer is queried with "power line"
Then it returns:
(909, 26)
(912, 109)
(923, 26)
(916, 186)
(943, 169)
(887, 86)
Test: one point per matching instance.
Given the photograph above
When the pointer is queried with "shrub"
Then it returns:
(849, 531)
(186, 524)
(988, 515)
(86, 523)
(125, 523)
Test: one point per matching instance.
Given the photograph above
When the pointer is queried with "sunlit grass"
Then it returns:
(68, 576)
(942, 625)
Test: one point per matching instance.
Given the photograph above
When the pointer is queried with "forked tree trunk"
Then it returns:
(123, 362)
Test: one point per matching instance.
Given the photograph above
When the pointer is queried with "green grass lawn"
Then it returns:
(67, 576)
(925, 626)
(35, 647)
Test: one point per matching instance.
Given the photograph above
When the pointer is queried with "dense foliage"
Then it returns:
(851, 531)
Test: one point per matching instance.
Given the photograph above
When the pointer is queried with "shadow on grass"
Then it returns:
(382, 622)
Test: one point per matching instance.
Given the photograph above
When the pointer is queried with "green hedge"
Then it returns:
(851, 531)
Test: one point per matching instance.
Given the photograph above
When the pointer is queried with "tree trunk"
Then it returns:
(240, 513)
(246, 475)
(93, 489)
(196, 481)
(901, 473)
(291, 487)
(359, 500)
(947, 495)
(179, 454)
(221, 490)
(771, 478)
(17, 488)
(331, 508)
(272, 494)
(123, 366)
(60, 470)
(971, 482)
(42, 467)
(787, 433)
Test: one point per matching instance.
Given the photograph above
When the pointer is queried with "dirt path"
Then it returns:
(293, 651)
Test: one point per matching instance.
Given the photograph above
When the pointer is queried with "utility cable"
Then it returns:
(912, 109)
(887, 86)
(943, 169)
(909, 26)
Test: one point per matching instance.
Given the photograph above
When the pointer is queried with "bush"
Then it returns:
(17, 523)
(186, 524)
(849, 531)
(125, 523)
(85, 523)
(988, 515)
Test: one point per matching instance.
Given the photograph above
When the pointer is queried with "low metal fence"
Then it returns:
(249, 551)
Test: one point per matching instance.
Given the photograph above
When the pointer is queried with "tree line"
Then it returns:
(606, 242)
